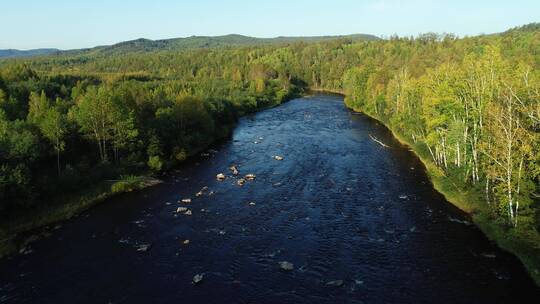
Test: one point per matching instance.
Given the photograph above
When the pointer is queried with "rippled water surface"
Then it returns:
(339, 206)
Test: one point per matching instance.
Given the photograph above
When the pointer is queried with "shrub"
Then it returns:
(155, 163)
(126, 183)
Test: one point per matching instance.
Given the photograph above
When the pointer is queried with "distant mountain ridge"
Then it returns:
(12, 53)
(142, 45)
(193, 42)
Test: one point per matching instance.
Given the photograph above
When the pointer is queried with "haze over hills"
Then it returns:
(12, 53)
(193, 42)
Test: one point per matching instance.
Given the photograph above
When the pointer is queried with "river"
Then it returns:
(360, 222)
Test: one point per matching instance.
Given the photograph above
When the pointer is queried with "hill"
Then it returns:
(143, 45)
(12, 53)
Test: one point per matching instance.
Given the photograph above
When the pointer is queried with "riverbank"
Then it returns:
(525, 248)
(22, 229)
(19, 230)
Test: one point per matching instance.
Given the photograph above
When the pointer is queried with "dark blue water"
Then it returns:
(339, 207)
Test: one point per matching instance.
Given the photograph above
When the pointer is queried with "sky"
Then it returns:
(69, 24)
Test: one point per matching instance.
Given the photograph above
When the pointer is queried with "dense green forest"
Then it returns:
(469, 106)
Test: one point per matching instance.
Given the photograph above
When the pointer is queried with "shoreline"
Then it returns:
(527, 255)
(38, 225)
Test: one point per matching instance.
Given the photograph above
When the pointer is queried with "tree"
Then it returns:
(54, 128)
(94, 115)
(38, 106)
(123, 126)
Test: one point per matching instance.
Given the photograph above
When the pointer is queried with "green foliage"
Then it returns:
(127, 183)
(155, 163)
(472, 105)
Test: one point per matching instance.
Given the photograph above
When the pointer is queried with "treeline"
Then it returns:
(63, 132)
(471, 105)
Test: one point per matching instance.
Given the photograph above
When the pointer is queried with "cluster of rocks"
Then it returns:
(234, 171)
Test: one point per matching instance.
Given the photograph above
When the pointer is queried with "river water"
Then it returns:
(361, 223)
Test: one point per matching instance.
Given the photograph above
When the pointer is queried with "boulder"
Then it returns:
(277, 157)
(241, 182)
(220, 177)
(181, 209)
(188, 212)
(250, 176)
(186, 200)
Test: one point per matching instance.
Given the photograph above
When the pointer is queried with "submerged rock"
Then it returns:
(25, 250)
(287, 266)
(144, 247)
(389, 231)
(188, 212)
(336, 283)
(455, 220)
(488, 255)
(252, 203)
(186, 200)
(185, 242)
(202, 191)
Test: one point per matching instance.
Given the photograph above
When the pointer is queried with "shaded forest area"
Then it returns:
(470, 107)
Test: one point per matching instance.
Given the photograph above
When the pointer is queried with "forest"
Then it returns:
(469, 107)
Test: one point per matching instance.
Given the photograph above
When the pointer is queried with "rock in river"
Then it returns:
(234, 170)
(198, 278)
(144, 247)
(186, 200)
(250, 176)
(277, 157)
(336, 283)
(220, 177)
(287, 266)
(181, 209)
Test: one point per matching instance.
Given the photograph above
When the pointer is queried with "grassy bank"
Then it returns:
(525, 246)
(19, 230)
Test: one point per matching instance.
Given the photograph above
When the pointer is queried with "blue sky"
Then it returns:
(69, 24)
